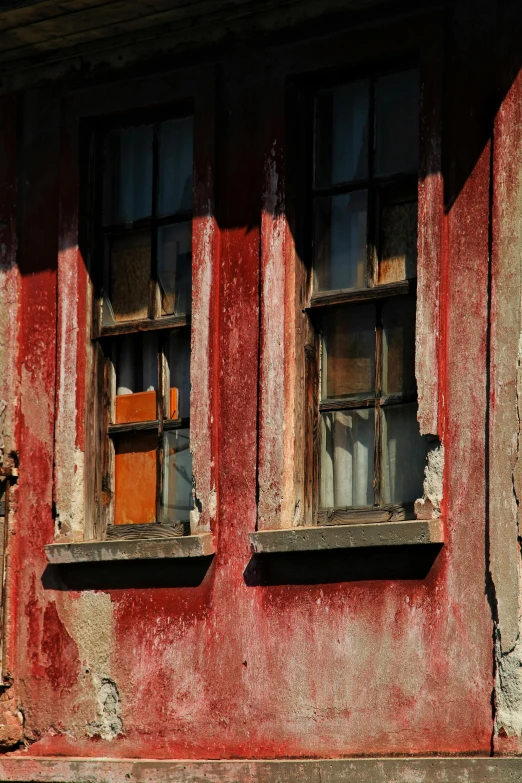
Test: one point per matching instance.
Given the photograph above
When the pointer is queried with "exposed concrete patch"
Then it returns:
(109, 723)
(508, 691)
(428, 507)
(69, 519)
(11, 721)
(89, 620)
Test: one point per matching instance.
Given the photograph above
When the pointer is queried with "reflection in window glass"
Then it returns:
(341, 134)
(397, 123)
(340, 241)
(398, 242)
(175, 166)
(129, 275)
(348, 361)
(177, 479)
(178, 370)
(135, 478)
(175, 268)
(135, 360)
(347, 458)
(128, 179)
(398, 320)
(404, 454)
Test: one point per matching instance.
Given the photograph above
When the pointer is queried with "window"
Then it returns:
(369, 455)
(142, 256)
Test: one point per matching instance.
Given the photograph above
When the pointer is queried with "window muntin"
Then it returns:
(364, 203)
(145, 250)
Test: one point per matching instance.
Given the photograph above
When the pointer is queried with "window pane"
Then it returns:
(135, 359)
(135, 478)
(340, 241)
(175, 166)
(404, 454)
(175, 268)
(347, 458)
(398, 320)
(129, 276)
(397, 123)
(348, 361)
(341, 134)
(177, 479)
(398, 242)
(128, 175)
(178, 372)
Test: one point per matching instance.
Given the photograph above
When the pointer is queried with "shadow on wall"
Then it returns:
(126, 575)
(341, 565)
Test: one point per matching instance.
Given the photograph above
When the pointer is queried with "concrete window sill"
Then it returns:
(141, 549)
(306, 539)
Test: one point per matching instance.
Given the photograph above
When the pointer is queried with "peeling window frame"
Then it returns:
(321, 303)
(285, 462)
(103, 392)
(78, 502)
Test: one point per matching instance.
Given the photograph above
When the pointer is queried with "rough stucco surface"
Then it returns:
(505, 412)
(231, 666)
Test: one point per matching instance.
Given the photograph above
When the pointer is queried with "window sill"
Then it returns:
(140, 549)
(306, 539)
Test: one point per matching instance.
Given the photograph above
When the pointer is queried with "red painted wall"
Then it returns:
(233, 667)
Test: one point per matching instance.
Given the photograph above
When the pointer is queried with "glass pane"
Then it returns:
(135, 478)
(341, 134)
(178, 372)
(340, 241)
(175, 268)
(398, 320)
(128, 175)
(175, 166)
(177, 479)
(397, 123)
(404, 454)
(348, 361)
(129, 273)
(347, 458)
(135, 359)
(398, 242)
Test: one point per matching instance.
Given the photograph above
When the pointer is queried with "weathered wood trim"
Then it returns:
(139, 532)
(430, 219)
(350, 295)
(360, 770)
(152, 549)
(305, 539)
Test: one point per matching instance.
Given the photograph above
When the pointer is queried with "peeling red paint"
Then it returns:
(59, 651)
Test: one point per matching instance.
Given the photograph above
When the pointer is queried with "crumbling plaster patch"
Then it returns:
(508, 690)
(89, 621)
(508, 675)
(428, 507)
(69, 518)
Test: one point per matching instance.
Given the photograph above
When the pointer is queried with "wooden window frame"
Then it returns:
(322, 302)
(80, 426)
(161, 325)
(287, 470)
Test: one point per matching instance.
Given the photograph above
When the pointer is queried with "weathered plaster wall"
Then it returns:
(505, 393)
(11, 719)
(236, 666)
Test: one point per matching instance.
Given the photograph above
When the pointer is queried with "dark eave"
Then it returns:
(44, 33)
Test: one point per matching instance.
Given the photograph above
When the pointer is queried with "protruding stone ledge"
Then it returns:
(306, 539)
(142, 549)
(28, 769)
